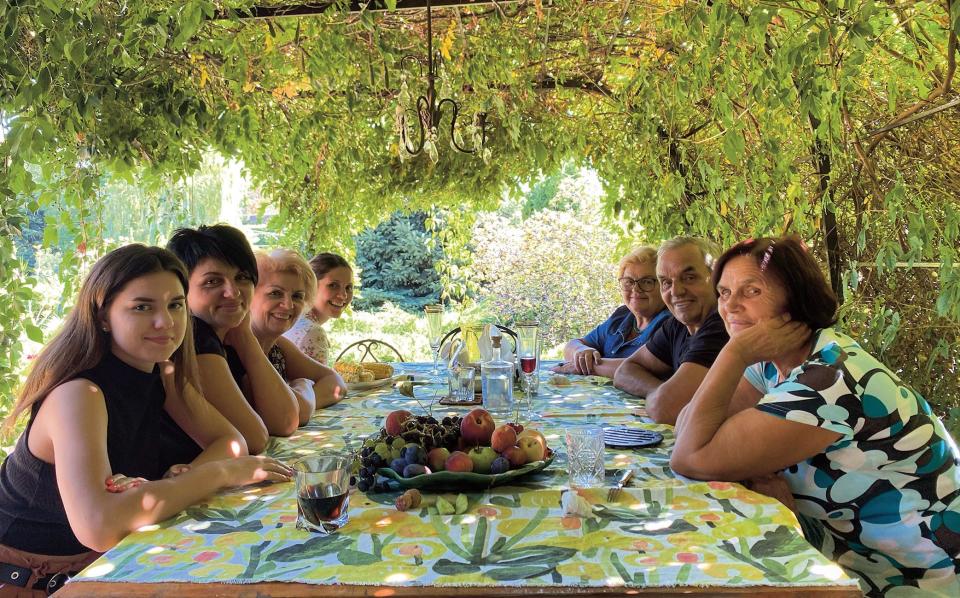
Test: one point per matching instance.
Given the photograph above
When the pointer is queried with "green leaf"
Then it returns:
(348, 556)
(733, 145)
(448, 567)
(782, 541)
(33, 332)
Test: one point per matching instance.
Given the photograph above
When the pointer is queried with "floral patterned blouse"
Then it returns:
(887, 493)
(310, 337)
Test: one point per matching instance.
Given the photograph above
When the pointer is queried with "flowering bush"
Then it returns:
(558, 268)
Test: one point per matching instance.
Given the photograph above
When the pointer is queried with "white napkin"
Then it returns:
(483, 342)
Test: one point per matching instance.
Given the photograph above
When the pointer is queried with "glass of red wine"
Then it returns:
(323, 491)
(528, 353)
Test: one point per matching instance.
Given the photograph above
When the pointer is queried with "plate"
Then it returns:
(358, 386)
(457, 480)
(624, 437)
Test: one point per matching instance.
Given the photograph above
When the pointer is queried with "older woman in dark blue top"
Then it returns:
(628, 328)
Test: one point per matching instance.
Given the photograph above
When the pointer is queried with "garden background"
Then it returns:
(613, 123)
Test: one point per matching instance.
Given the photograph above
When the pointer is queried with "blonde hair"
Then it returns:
(288, 261)
(641, 254)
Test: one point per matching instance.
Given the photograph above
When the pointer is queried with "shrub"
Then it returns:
(557, 268)
(396, 264)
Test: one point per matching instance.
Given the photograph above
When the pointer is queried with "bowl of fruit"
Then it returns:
(452, 453)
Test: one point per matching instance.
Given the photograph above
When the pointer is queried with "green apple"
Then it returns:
(482, 457)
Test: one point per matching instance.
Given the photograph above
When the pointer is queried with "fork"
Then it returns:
(614, 492)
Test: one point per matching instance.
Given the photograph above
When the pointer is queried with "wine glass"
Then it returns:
(434, 314)
(528, 352)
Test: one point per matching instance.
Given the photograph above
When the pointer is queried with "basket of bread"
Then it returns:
(362, 376)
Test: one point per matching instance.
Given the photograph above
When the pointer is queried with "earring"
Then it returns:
(104, 328)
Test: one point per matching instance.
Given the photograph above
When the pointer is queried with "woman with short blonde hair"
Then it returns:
(628, 328)
(285, 290)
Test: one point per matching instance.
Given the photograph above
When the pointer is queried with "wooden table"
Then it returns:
(662, 536)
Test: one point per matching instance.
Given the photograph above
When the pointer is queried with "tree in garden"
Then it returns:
(830, 119)
(397, 264)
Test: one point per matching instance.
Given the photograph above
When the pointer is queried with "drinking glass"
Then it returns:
(434, 314)
(323, 491)
(462, 383)
(528, 353)
(585, 456)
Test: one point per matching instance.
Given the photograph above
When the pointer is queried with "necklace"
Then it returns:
(636, 327)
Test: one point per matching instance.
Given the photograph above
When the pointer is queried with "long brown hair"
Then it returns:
(81, 344)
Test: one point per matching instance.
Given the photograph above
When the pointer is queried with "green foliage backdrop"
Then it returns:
(723, 118)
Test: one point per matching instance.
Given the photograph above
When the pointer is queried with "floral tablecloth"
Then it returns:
(661, 531)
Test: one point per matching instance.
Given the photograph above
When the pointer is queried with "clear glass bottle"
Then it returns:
(497, 382)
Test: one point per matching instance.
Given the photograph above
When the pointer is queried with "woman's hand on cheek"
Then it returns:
(770, 338)
(240, 334)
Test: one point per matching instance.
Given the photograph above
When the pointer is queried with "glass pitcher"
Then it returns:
(471, 342)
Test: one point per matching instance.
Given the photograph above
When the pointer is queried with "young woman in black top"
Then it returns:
(101, 396)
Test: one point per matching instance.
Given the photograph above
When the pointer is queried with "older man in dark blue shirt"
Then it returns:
(669, 367)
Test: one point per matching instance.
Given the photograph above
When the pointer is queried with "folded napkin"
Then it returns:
(455, 351)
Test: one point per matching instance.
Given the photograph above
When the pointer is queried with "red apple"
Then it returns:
(503, 438)
(459, 461)
(437, 458)
(477, 427)
(515, 456)
(394, 421)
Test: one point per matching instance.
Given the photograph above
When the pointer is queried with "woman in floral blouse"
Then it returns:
(334, 294)
(873, 473)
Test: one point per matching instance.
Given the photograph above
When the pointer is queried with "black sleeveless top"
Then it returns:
(32, 517)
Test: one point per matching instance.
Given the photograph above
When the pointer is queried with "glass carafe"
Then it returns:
(497, 383)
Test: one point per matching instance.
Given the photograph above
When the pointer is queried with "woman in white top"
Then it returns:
(334, 294)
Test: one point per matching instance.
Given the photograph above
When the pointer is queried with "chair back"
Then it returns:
(371, 348)
(456, 331)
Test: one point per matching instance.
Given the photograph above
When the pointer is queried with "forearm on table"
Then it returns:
(149, 503)
(635, 379)
(227, 447)
(710, 404)
(329, 390)
(607, 367)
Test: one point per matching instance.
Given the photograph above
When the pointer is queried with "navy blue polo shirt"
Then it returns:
(610, 337)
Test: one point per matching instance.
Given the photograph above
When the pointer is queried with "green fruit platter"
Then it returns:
(456, 480)
(448, 453)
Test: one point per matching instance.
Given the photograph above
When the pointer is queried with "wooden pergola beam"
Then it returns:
(306, 9)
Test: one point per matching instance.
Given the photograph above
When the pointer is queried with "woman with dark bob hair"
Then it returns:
(873, 473)
(236, 375)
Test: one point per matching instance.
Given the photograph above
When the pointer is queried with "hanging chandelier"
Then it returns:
(429, 112)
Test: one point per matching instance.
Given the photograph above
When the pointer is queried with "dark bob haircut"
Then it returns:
(220, 242)
(809, 298)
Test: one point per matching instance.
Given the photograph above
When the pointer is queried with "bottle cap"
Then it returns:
(496, 341)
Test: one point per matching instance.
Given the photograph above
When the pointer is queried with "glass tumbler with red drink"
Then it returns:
(323, 491)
